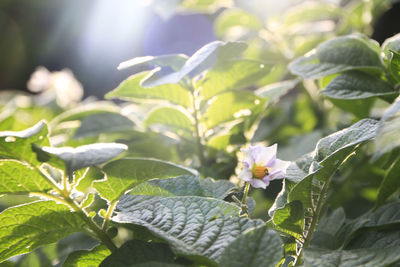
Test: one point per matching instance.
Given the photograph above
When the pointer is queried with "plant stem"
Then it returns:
(66, 200)
(200, 150)
(110, 210)
(245, 193)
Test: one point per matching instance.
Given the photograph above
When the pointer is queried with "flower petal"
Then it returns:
(245, 175)
(264, 155)
(280, 165)
(248, 160)
(257, 183)
(277, 174)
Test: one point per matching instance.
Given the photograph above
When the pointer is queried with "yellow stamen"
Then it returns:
(260, 172)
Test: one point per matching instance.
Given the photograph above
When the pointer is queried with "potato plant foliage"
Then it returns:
(152, 181)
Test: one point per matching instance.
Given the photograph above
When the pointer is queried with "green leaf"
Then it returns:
(201, 60)
(17, 177)
(187, 185)
(132, 90)
(26, 227)
(140, 253)
(124, 174)
(325, 234)
(385, 217)
(388, 137)
(232, 105)
(171, 117)
(97, 124)
(175, 61)
(361, 108)
(290, 219)
(367, 257)
(390, 183)
(392, 43)
(357, 85)
(274, 91)
(234, 18)
(84, 258)
(394, 65)
(255, 247)
(329, 154)
(234, 74)
(193, 226)
(312, 11)
(351, 52)
(17, 145)
(72, 159)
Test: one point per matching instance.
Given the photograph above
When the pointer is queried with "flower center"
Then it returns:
(260, 171)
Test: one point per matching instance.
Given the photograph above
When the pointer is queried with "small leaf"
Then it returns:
(357, 85)
(392, 43)
(171, 117)
(26, 227)
(274, 91)
(232, 105)
(140, 253)
(124, 174)
(131, 90)
(17, 145)
(390, 183)
(236, 18)
(72, 159)
(175, 61)
(394, 65)
(201, 60)
(351, 52)
(290, 219)
(312, 12)
(367, 257)
(18, 177)
(84, 258)
(255, 247)
(193, 226)
(231, 75)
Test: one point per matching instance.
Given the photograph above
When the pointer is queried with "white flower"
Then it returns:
(261, 166)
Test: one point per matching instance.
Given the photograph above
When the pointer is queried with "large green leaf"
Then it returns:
(328, 155)
(343, 53)
(175, 61)
(124, 174)
(255, 247)
(235, 74)
(357, 85)
(367, 257)
(72, 159)
(97, 124)
(140, 253)
(171, 117)
(18, 177)
(26, 227)
(187, 185)
(234, 18)
(85, 258)
(201, 60)
(325, 234)
(131, 89)
(192, 226)
(232, 105)
(18, 145)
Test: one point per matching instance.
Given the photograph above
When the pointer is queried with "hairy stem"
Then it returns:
(66, 200)
(243, 205)
(200, 149)
(110, 210)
